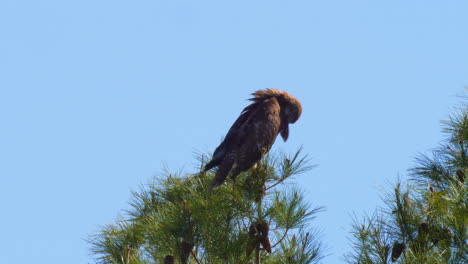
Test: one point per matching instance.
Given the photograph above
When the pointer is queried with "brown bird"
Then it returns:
(254, 132)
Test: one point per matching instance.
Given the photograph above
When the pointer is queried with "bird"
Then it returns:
(254, 132)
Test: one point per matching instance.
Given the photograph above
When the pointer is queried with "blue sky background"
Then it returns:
(96, 96)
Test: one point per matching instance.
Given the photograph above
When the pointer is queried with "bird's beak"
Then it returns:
(284, 131)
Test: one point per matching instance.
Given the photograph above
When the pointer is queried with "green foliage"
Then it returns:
(425, 220)
(298, 249)
(254, 218)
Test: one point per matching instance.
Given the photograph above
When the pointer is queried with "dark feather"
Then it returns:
(284, 130)
(254, 132)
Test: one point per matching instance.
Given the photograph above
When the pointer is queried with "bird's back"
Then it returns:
(250, 137)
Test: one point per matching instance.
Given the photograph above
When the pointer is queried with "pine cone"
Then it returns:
(460, 176)
(169, 259)
(264, 229)
(253, 229)
(184, 250)
(258, 233)
(423, 228)
(397, 249)
(254, 239)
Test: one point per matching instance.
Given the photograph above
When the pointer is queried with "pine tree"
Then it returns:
(178, 219)
(425, 220)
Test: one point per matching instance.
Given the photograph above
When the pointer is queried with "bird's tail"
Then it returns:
(209, 166)
(223, 171)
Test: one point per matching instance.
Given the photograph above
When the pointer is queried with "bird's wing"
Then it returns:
(249, 138)
(235, 136)
(243, 122)
(238, 133)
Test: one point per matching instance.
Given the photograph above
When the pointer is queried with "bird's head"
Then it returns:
(291, 110)
(290, 107)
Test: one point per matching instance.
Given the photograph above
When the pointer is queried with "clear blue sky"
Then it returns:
(96, 96)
